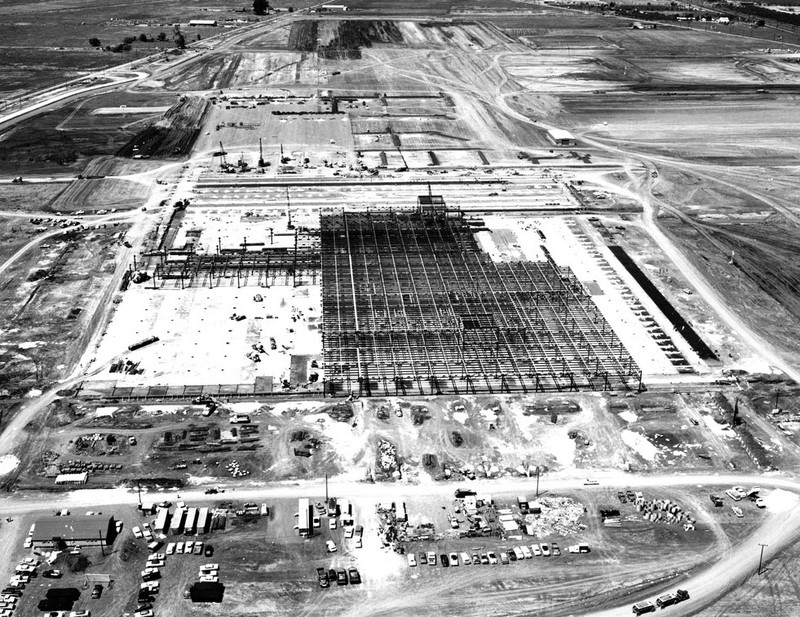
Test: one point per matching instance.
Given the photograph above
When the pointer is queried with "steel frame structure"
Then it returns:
(412, 305)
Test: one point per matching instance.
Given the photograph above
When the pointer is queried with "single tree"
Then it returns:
(162, 36)
(180, 41)
(143, 37)
(260, 7)
(94, 42)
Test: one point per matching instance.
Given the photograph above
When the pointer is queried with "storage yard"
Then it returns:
(380, 309)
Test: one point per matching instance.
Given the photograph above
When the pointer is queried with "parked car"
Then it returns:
(454, 559)
(504, 558)
(322, 577)
(331, 546)
(412, 560)
(52, 574)
(208, 551)
(355, 577)
(545, 549)
(423, 559)
(97, 591)
(341, 577)
(492, 558)
(445, 560)
(556, 550)
(536, 550)
(431, 558)
(526, 552)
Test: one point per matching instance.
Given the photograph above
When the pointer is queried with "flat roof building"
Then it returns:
(74, 530)
(560, 137)
(72, 478)
(203, 22)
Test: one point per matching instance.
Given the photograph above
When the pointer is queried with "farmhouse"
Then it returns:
(204, 22)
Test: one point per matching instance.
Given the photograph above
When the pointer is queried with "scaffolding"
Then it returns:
(250, 264)
(412, 305)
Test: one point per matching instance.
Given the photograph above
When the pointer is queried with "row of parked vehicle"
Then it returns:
(23, 573)
(517, 553)
(340, 577)
(190, 547)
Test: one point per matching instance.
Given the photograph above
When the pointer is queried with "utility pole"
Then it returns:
(761, 558)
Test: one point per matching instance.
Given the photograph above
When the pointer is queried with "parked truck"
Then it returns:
(640, 608)
(668, 599)
(143, 343)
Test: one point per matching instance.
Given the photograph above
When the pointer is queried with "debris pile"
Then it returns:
(343, 412)
(392, 525)
(557, 515)
(235, 471)
(387, 456)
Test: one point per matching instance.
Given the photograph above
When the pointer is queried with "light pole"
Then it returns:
(761, 558)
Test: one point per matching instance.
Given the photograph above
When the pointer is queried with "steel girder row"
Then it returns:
(411, 305)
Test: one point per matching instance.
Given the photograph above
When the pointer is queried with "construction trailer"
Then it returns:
(191, 521)
(202, 521)
(304, 518)
(162, 520)
(176, 526)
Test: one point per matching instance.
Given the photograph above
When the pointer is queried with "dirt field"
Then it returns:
(48, 303)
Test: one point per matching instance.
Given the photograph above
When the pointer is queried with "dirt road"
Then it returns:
(778, 530)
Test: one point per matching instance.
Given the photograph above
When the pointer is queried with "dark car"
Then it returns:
(209, 550)
(97, 591)
(423, 558)
(512, 556)
(147, 606)
(211, 491)
(52, 573)
(198, 549)
(322, 577)
(341, 577)
(445, 560)
(331, 575)
(355, 577)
